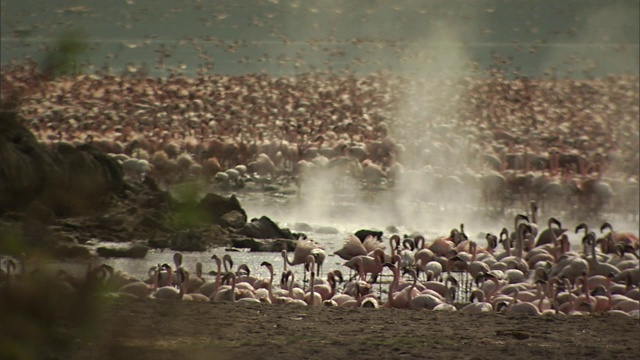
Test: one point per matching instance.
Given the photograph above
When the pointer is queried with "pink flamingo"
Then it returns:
(140, 289)
(370, 264)
(209, 287)
(312, 298)
(353, 247)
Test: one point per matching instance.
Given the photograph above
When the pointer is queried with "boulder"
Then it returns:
(68, 179)
(330, 230)
(264, 245)
(363, 233)
(233, 219)
(161, 243)
(71, 251)
(189, 240)
(264, 228)
(303, 227)
(136, 251)
(213, 207)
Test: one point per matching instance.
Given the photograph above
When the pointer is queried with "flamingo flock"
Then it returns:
(506, 143)
(524, 278)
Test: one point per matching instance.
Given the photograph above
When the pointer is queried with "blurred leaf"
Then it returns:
(62, 59)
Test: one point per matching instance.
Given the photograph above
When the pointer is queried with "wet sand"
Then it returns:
(145, 329)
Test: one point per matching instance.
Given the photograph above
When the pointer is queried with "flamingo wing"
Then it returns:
(352, 247)
(370, 243)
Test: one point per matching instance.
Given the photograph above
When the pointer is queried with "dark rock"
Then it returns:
(327, 230)
(264, 228)
(150, 222)
(162, 243)
(303, 227)
(392, 229)
(71, 252)
(136, 251)
(68, 180)
(263, 245)
(233, 219)
(40, 213)
(214, 206)
(363, 233)
(189, 241)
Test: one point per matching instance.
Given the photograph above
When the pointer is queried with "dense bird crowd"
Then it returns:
(561, 144)
(534, 274)
(567, 144)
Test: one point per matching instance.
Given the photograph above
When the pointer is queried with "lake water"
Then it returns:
(572, 38)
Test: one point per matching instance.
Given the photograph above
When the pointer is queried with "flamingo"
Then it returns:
(447, 306)
(516, 307)
(227, 263)
(303, 249)
(229, 293)
(595, 266)
(614, 237)
(547, 235)
(517, 260)
(184, 279)
(351, 288)
(326, 290)
(406, 254)
(294, 292)
(370, 264)
(423, 254)
(140, 289)
(478, 307)
(403, 298)
(441, 246)
(312, 298)
(170, 292)
(505, 240)
(196, 281)
(353, 247)
(209, 287)
(476, 267)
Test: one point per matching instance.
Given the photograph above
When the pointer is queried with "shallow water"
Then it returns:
(345, 213)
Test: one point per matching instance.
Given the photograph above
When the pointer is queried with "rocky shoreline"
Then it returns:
(48, 205)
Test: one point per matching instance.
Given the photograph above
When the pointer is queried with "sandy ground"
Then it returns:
(147, 329)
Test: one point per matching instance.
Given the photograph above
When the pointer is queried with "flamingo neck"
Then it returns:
(291, 285)
(389, 302)
(554, 242)
(593, 252)
(170, 275)
(393, 250)
(183, 287)
(332, 284)
(494, 290)
(312, 289)
(474, 251)
(154, 280)
(233, 288)
(585, 288)
(218, 277)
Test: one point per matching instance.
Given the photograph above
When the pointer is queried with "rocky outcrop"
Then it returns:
(214, 207)
(136, 251)
(264, 245)
(363, 233)
(78, 192)
(67, 179)
(264, 228)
